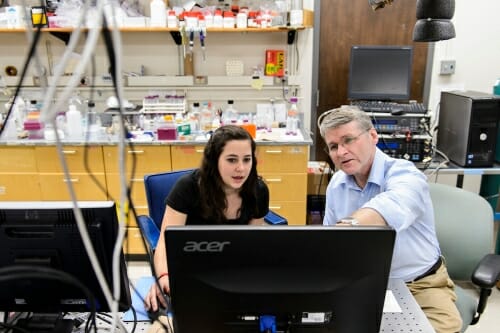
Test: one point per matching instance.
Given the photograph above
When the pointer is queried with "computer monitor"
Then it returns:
(45, 234)
(381, 73)
(303, 278)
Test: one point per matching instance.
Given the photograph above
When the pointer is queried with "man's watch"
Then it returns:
(349, 220)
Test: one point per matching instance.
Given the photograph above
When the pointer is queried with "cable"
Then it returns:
(12, 327)
(19, 272)
(49, 111)
(31, 52)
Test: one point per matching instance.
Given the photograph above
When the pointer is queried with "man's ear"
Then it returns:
(373, 135)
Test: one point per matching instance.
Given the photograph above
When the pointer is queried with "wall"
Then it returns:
(476, 50)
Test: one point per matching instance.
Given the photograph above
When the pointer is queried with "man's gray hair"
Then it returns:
(337, 117)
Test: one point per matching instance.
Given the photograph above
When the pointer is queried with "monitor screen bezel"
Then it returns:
(405, 52)
(193, 294)
(36, 232)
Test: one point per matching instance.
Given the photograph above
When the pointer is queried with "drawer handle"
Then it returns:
(69, 152)
(137, 180)
(136, 151)
(274, 180)
(72, 180)
(199, 150)
(275, 207)
(274, 151)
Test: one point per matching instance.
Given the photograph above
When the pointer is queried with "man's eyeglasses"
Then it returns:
(345, 142)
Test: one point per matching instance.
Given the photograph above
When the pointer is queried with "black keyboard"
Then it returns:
(390, 107)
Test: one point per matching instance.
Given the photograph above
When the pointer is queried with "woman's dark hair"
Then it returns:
(213, 198)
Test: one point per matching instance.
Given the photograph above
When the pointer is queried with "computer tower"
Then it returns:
(468, 127)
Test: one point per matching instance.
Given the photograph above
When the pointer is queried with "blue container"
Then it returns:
(496, 88)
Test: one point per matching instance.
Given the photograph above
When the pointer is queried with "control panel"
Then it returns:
(412, 148)
(387, 123)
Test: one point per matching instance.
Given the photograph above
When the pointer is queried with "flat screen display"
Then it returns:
(308, 279)
(381, 73)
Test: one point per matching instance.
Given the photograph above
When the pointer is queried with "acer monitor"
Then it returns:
(300, 278)
(45, 235)
(380, 73)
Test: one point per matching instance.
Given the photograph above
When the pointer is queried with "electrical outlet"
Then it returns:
(447, 67)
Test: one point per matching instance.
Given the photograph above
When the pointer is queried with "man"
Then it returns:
(372, 188)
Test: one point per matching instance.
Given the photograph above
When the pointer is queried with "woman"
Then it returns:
(226, 189)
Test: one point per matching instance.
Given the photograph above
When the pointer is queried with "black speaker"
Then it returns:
(433, 20)
(431, 30)
(435, 9)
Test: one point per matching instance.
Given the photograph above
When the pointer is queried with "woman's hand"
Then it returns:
(155, 294)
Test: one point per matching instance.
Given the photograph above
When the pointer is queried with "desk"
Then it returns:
(411, 319)
(454, 175)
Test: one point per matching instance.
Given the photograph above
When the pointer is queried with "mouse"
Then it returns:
(153, 315)
(397, 111)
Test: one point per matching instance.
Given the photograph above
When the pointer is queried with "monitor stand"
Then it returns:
(46, 323)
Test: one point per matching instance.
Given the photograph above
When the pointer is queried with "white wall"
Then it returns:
(476, 50)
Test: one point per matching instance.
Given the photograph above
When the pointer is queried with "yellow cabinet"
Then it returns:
(186, 156)
(133, 243)
(284, 169)
(86, 173)
(147, 159)
(18, 174)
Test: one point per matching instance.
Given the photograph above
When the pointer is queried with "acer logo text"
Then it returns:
(192, 246)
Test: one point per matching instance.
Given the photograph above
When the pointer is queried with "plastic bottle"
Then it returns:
(217, 20)
(92, 122)
(241, 20)
(172, 21)
(228, 21)
(74, 123)
(296, 13)
(230, 115)
(206, 118)
(292, 121)
(158, 13)
(10, 130)
(496, 88)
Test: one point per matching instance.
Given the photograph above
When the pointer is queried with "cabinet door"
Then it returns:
(285, 159)
(286, 187)
(148, 159)
(18, 174)
(133, 244)
(19, 187)
(186, 156)
(54, 186)
(18, 160)
(86, 172)
(293, 211)
(79, 159)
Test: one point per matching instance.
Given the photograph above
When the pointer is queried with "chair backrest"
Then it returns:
(464, 227)
(157, 188)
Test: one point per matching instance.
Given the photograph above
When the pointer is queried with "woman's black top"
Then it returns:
(185, 198)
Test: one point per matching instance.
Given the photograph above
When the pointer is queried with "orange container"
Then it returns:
(251, 128)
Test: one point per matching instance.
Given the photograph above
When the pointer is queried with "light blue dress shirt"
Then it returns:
(398, 191)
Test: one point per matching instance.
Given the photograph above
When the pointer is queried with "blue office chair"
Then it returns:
(158, 187)
(464, 227)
